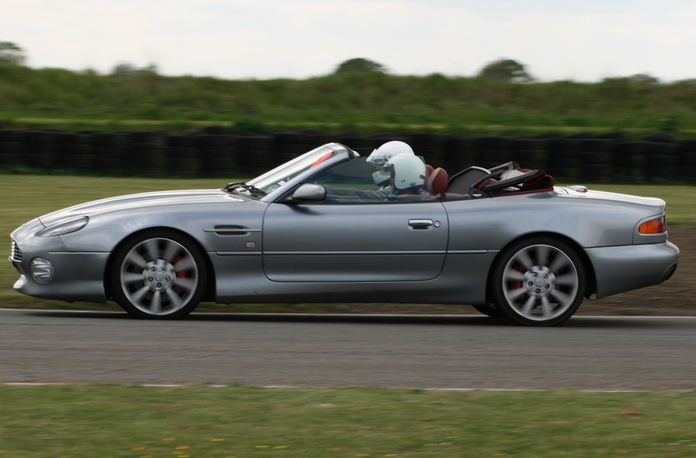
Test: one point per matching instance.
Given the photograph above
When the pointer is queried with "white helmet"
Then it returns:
(382, 155)
(389, 149)
(407, 171)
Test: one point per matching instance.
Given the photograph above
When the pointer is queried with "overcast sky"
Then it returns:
(581, 40)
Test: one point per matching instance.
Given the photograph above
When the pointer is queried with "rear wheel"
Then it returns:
(158, 275)
(538, 282)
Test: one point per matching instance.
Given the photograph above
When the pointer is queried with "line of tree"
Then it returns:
(503, 69)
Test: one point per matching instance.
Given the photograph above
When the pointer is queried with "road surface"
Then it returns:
(459, 352)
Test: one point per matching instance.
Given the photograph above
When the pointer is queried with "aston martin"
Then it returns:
(318, 229)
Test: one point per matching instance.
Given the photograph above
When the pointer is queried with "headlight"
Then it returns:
(63, 227)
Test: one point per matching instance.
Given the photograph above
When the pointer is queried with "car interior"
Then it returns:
(477, 182)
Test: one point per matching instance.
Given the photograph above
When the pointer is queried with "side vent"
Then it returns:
(232, 230)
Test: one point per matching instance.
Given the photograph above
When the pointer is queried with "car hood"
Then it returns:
(148, 199)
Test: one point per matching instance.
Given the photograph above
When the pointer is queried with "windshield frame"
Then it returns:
(286, 177)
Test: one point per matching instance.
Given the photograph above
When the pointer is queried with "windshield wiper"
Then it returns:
(250, 188)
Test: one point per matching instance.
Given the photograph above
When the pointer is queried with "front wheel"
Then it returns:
(538, 282)
(158, 275)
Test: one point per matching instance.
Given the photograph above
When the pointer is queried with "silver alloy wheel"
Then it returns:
(159, 276)
(540, 283)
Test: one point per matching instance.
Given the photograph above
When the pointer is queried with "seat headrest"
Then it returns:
(437, 181)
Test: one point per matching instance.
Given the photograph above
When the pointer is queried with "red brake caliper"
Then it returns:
(179, 273)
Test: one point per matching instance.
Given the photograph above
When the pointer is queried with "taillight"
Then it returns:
(654, 226)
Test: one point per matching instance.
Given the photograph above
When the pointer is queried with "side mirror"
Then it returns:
(309, 192)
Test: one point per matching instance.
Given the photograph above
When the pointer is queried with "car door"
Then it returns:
(372, 242)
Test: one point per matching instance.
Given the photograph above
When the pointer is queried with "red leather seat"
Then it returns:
(437, 181)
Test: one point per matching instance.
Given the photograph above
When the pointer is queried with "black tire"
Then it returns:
(538, 282)
(158, 274)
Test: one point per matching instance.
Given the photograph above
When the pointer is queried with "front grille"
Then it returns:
(16, 252)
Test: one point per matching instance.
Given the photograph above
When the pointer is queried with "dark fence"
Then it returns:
(216, 152)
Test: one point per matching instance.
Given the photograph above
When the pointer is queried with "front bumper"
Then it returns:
(625, 268)
(77, 276)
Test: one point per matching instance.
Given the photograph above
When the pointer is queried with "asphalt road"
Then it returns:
(596, 353)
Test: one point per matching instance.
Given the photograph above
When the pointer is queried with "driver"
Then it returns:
(382, 155)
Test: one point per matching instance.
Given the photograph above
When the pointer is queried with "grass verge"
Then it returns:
(242, 421)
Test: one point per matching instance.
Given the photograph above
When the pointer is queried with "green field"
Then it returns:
(240, 421)
(362, 102)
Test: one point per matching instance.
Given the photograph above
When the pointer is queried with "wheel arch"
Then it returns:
(209, 282)
(591, 279)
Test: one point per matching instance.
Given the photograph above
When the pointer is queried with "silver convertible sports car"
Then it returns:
(332, 226)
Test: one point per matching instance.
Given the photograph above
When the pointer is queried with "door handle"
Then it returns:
(420, 223)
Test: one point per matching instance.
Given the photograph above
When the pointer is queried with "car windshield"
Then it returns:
(289, 170)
